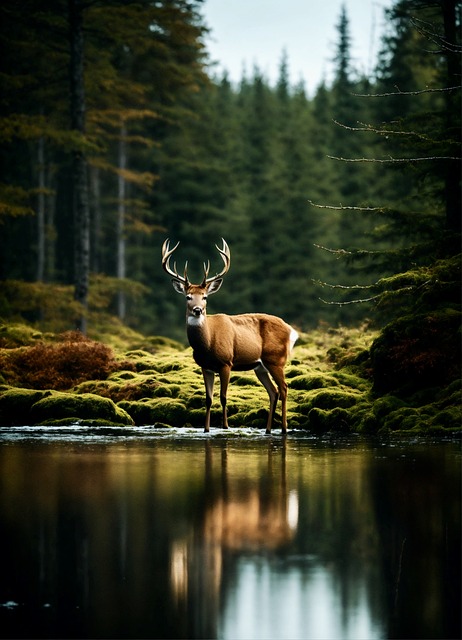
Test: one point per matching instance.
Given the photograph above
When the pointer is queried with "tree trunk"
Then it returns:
(81, 209)
(41, 228)
(96, 263)
(122, 186)
(453, 171)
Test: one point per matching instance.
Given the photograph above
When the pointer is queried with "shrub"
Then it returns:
(60, 365)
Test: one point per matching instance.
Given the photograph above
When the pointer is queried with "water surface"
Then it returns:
(143, 533)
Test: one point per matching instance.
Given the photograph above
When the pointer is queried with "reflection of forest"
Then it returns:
(143, 540)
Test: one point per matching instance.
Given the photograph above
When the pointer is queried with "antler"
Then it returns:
(225, 256)
(166, 253)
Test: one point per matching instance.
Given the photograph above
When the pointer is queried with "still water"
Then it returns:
(178, 535)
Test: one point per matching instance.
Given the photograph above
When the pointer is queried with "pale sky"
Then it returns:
(245, 33)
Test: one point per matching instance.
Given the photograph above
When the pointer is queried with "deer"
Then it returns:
(223, 343)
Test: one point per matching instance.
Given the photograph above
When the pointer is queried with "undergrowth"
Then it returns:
(59, 365)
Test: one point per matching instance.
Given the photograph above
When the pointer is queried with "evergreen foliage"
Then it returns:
(354, 190)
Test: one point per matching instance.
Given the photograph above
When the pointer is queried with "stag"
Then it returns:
(223, 343)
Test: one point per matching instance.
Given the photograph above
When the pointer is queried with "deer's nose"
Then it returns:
(197, 311)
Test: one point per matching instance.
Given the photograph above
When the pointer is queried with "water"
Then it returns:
(143, 533)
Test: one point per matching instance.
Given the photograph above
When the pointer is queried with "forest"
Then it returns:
(341, 208)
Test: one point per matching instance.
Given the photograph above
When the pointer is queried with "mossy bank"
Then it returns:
(335, 380)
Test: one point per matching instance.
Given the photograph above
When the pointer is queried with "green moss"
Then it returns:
(167, 391)
(18, 335)
(125, 387)
(386, 405)
(351, 380)
(244, 380)
(15, 405)
(321, 420)
(154, 344)
(449, 418)
(308, 382)
(331, 399)
(169, 411)
(142, 360)
(58, 405)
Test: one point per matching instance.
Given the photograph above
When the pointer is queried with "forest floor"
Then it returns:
(62, 379)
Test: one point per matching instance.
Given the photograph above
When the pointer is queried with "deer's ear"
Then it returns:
(179, 287)
(214, 286)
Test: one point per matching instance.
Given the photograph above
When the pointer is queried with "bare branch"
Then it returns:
(435, 37)
(345, 208)
(342, 304)
(386, 132)
(405, 93)
(395, 160)
(342, 286)
(341, 253)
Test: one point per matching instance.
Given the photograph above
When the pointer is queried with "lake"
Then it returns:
(143, 533)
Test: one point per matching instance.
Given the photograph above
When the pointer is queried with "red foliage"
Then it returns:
(59, 365)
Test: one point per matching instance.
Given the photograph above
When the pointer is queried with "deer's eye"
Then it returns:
(204, 297)
(189, 297)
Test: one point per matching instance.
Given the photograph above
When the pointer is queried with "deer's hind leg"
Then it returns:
(263, 375)
(277, 373)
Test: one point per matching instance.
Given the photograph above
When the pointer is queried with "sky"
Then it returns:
(245, 33)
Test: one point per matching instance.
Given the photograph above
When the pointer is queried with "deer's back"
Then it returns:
(247, 338)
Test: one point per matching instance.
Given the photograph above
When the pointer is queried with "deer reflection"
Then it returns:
(239, 515)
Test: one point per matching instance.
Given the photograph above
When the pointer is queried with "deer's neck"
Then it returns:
(197, 330)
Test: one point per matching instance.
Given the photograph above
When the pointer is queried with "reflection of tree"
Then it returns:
(418, 508)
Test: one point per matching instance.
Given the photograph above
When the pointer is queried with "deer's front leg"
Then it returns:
(225, 372)
(209, 378)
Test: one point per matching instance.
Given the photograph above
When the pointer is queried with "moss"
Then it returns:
(253, 419)
(58, 405)
(244, 380)
(308, 382)
(154, 344)
(15, 405)
(167, 391)
(321, 420)
(18, 335)
(368, 423)
(169, 411)
(352, 380)
(386, 405)
(141, 360)
(449, 418)
(331, 399)
(403, 418)
(123, 387)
